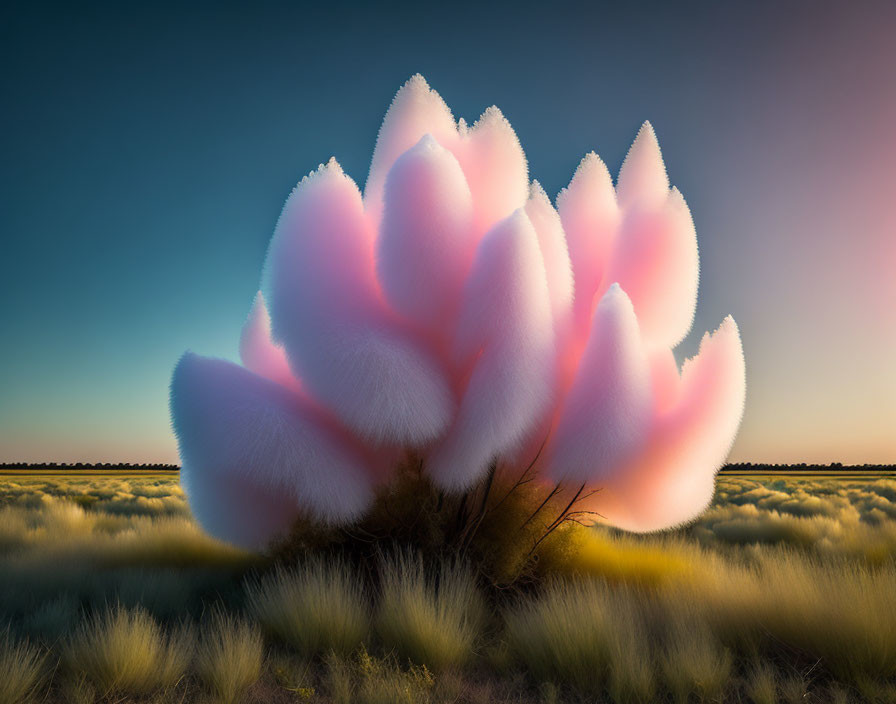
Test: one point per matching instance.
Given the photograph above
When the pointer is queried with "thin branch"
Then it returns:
(352, 536)
(559, 520)
(568, 507)
(589, 494)
(584, 513)
(461, 517)
(522, 478)
(493, 467)
(470, 531)
(543, 504)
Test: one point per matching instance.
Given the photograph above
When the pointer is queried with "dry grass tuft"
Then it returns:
(587, 635)
(78, 690)
(794, 689)
(21, 670)
(364, 679)
(762, 683)
(314, 608)
(632, 676)
(126, 651)
(695, 662)
(432, 619)
(230, 656)
(786, 575)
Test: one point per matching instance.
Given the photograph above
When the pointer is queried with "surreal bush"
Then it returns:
(452, 333)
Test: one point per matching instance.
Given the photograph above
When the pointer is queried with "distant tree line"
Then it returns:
(738, 468)
(747, 467)
(105, 466)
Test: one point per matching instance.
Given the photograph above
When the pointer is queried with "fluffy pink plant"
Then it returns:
(454, 311)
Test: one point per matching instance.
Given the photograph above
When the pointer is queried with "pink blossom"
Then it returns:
(453, 310)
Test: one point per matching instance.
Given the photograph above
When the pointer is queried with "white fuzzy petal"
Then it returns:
(674, 481)
(554, 252)
(643, 181)
(426, 244)
(259, 353)
(605, 419)
(415, 111)
(665, 380)
(255, 455)
(656, 261)
(590, 219)
(495, 166)
(507, 321)
(326, 308)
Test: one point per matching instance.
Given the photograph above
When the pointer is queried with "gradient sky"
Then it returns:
(146, 154)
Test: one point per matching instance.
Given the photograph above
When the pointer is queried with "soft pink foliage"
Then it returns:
(555, 253)
(655, 262)
(604, 419)
(455, 311)
(672, 480)
(506, 331)
(352, 353)
(255, 452)
(258, 352)
(427, 220)
(590, 218)
(643, 182)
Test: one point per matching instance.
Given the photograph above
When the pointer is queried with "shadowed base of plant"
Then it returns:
(503, 527)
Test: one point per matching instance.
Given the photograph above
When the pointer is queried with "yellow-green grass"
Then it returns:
(432, 617)
(365, 679)
(69, 541)
(586, 634)
(22, 670)
(315, 607)
(230, 655)
(781, 591)
(762, 683)
(694, 662)
(126, 651)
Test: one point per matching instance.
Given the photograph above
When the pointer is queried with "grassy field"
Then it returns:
(783, 591)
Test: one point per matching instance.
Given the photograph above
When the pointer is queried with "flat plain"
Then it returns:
(783, 591)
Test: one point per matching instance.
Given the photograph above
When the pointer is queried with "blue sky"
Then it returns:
(147, 152)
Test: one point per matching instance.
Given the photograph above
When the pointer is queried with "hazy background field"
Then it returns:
(782, 591)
